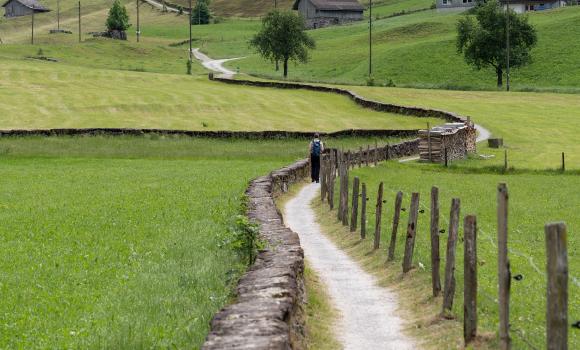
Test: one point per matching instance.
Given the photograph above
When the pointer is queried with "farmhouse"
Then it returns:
(519, 6)
(17, 8)
(323, 13)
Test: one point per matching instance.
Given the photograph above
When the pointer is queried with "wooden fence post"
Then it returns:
(340, 202)
(505, 160)
(378, 217)
(354, 214)
(503, 263)
(363, 212)
(435, 258)
(345, 190)
(429, 141)
(376, 153)
(411, 233)
(360, 157)
(557, 266)
(396, 218)
(331, 182)
(563, 162)
(368, 155)
(323, 170)
(449, 288)
(470, 279)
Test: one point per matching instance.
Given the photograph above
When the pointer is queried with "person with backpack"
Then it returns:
(316, 148)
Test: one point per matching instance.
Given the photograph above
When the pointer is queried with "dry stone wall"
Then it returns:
(251, 135)
(267, 313)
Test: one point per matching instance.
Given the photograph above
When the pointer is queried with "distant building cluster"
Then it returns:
(17, 8)
(519, 6)
(323, 13)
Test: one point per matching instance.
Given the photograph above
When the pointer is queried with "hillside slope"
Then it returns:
(419, 50)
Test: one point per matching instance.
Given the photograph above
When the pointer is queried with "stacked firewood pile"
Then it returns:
(447, 142)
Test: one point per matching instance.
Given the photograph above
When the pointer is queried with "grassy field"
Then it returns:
(531, 206)
(122, 242)
(78, 97)
(399, 46)
(536, 127)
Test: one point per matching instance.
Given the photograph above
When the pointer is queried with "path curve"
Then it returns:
(369, 319)
(215, 65)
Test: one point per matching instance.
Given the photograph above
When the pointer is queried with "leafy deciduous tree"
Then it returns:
(283, 38)
(484, 42)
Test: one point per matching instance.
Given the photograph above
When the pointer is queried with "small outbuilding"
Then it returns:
(323, 13)
(17, 8)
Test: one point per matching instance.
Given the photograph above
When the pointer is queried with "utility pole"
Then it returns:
(58, 15)
(370, 38)
(138, 23)
(32, 27)
(80, 22)
(508, 45)
(189, 23)
(198, 13)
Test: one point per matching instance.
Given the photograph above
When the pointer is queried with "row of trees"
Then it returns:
(493, 38)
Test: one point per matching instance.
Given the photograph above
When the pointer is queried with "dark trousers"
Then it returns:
(315, 167)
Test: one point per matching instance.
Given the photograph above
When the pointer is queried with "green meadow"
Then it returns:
(123, 242)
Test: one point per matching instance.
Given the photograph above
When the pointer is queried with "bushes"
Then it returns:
(200, 14)
(118, 18)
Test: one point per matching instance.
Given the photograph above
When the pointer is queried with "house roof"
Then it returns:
(31, 4)
(333, 5)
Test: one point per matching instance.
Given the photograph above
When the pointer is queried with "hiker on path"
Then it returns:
(316, 148)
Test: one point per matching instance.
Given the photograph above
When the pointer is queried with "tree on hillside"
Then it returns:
(201, 14)
(484, 42)
(283, 38)
(118, 20)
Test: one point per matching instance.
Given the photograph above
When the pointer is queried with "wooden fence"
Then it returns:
(337, 162)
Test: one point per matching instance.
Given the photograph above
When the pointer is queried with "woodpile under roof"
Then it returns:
(454, 139)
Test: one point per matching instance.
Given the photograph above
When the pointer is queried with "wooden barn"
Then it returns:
(17, 8)
(323, 13)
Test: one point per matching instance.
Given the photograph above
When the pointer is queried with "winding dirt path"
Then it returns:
(215, 65)
(369, 313)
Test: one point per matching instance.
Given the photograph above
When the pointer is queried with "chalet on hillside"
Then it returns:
(17, 8)
(519, 6)
(323, 13)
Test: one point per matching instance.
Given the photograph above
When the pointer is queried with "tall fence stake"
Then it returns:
(563, 162)
(354, 214)
(411, 233)
(470, 279)
(449, 288)
(557, 265)
(435, 258)
(503, 263)
(363, 212)
(378, 217)
(396, 218)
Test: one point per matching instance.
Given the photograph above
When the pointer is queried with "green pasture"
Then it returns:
(418, 50)
(536, 127)
(47, 95)
(122, 242)
(535, 199)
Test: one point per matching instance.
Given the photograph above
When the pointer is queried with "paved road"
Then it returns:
(369, 313)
